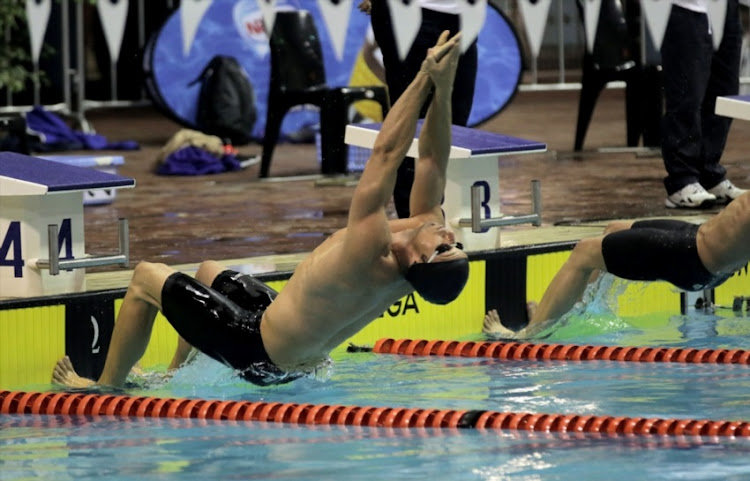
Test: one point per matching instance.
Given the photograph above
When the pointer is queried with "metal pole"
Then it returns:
(54, 254)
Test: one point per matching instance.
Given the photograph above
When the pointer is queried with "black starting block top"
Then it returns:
(25, 175)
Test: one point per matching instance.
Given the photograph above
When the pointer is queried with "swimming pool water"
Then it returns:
(154, 449)
(52, 447)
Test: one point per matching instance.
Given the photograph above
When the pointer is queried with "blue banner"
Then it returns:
(235, 28)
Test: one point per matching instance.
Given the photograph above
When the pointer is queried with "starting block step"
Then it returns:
(735, 106)
(35, 194)
(473, 163)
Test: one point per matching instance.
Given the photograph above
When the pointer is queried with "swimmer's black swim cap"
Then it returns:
(439, 282)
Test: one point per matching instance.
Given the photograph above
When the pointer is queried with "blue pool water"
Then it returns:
(51, 447)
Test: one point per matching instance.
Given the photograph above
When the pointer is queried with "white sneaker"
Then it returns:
(692, 196)
(726, 192)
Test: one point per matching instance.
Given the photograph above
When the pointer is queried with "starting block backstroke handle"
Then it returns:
(54, 264)
(478, 224)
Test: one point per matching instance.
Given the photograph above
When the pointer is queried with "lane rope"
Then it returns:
(559, 352)
(80, 404)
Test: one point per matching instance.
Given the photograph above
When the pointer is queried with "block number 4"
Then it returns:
(11, 254)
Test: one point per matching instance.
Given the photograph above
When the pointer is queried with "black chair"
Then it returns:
(298, 77)
(16, 139)
(616, 57)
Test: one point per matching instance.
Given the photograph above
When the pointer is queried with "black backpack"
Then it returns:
(226, 104)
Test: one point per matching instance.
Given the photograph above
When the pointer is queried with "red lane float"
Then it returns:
(138, 406)
(560, 352)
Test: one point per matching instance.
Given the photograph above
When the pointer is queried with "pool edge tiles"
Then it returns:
(80, 325)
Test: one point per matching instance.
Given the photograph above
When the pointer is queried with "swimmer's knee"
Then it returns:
(148, 278)
(587, 252)
(208, 270)
(617, 225)
(145, 269)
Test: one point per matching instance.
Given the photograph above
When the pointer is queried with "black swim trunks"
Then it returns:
(663, 250)
(223, 322)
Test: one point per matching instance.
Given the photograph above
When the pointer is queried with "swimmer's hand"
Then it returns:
(494, 328)
(442, 60)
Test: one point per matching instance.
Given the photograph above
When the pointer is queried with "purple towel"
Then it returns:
(57, 135)
(193, 160)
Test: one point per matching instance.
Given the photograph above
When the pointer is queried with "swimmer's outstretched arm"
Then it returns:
(367, 223)
(435, 137)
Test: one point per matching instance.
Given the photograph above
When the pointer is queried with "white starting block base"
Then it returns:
(28, 237)
(102, 163)
(41, 225)
(473, 162)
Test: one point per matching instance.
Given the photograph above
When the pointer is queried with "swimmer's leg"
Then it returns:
(207, 272)
(244, 290)
(181, 353)
(614, 226)
(132, 330)
(582, 267)
(568, 285)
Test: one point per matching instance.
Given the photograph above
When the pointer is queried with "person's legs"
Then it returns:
(206, 273)
(724, 80)
(570, 281)
(132, 330)
(723, 241)
(686, 55)
(134, 322)
(582, 267)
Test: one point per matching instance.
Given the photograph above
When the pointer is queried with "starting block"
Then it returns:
(735, 106)
(103, 163)
(472, 195)
(41, 225)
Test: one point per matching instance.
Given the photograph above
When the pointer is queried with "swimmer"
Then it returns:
(342, 286)
(691, 257)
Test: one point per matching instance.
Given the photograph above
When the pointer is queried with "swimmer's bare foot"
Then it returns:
(65, 375)
(494, 327)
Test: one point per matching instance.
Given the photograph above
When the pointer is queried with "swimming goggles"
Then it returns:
(444, 248)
